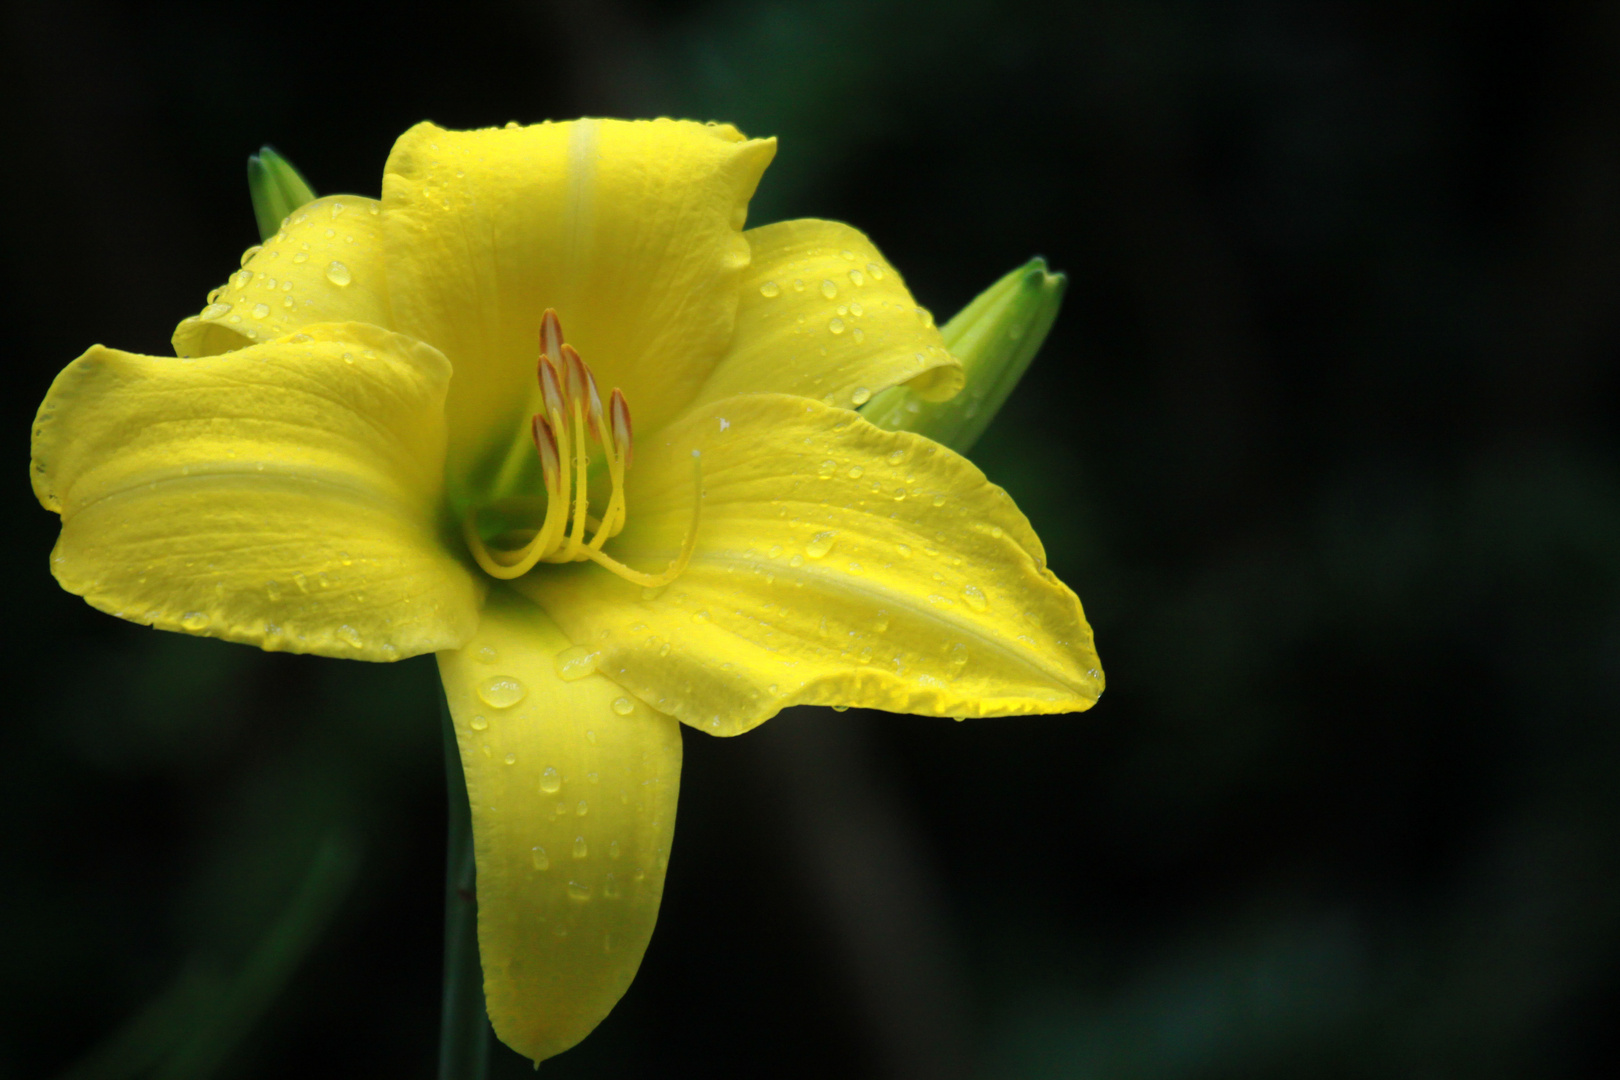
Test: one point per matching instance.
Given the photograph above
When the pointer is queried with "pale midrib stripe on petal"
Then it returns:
(830, 581)
(326, 486)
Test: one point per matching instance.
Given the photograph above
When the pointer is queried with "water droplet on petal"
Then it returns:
(510, 758)
(350, 636)
(485, 654)
(857, 277)
(770, 289)
(836, 325)
(623, 706)
(501, 691)
(215, 311)
(828, 289)
(537, 856)
(338, 274)
(610, 886)
(478, 722)
(975, 597)
(861, 395)
(820, 544)
(576, 663)
(550, 781)
(576, 891)
(856, 472)
(194, 621)
(581, 850)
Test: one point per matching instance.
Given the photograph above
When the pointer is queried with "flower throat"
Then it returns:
(573, 417)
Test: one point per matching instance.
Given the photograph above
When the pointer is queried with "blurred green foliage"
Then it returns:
(1325, 438)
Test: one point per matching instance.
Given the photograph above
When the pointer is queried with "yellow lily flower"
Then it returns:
(547, 410)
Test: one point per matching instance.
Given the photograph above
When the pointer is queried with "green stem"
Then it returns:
(464, 1033)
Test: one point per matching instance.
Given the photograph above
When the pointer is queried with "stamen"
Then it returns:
(688, 544)
(615, 439)
(573, 413)
(551, 389)
(620, 410)
(556, 501)
(546, 443)
(507, 565)
(582, 500)
(551, 335)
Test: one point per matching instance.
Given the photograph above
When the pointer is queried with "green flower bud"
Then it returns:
(995, 337)
(277, 190)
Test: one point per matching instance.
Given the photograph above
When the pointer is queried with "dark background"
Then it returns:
(1325, 438)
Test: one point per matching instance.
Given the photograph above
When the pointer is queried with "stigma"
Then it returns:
(572, 419)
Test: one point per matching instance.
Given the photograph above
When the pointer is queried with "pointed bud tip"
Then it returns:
(995, 337)
(276, 188)
(1036, 275)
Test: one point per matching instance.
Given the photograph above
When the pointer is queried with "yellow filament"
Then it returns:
(572, 551)
(613, 518)
(548, 544)
(496, 564)
(551, 532)
(688, 545)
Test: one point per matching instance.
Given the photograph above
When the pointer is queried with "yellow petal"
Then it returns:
(836, 564)
(572, 784)
(325, 265)
(632, 231)
(285, 495)
(824, 315)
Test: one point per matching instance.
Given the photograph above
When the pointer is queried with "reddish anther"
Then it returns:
(619, 412)
(545, 441)
(551, 335)
(572, 370)
(551, 389)
(593, 403)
